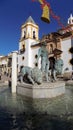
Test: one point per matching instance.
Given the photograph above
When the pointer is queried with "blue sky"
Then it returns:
(13, 13)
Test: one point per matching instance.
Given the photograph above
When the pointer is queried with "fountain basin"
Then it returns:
(45, 90)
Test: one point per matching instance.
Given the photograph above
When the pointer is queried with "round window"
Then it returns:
(71, 50)
(71, 61)
(23, 58)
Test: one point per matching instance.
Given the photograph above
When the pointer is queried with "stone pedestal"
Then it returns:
(45, 90)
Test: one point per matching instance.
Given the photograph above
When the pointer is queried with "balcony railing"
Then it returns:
(21, 51)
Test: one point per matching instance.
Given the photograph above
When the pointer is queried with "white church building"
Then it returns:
(67, 45)
(29, 44)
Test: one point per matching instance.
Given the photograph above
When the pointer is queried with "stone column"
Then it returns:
(14, 72)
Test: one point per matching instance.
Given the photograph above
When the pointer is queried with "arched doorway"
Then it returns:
(52, 62)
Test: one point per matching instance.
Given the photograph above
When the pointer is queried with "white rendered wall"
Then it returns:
(34, 52)
(66, 55)
(29, 54)
(4, 62)
(20, 44)
(24, 62)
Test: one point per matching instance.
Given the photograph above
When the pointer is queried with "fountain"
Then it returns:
(41, 85)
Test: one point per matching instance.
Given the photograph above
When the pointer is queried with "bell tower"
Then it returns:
(29, 30)
(29, 36)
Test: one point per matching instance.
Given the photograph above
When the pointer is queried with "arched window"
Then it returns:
(23, 58)
(34, 34)
(51, 48)
(23, 47)
(71, 50)
(69, 21)
(24, 34)
(71, 61)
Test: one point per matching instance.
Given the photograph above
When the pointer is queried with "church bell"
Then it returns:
(45, 14)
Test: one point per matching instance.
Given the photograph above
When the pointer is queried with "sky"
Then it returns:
(13, 13)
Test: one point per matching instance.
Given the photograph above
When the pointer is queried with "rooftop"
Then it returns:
(30, 19)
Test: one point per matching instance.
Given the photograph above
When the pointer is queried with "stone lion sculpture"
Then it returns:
(31, 75)
(59, 66)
